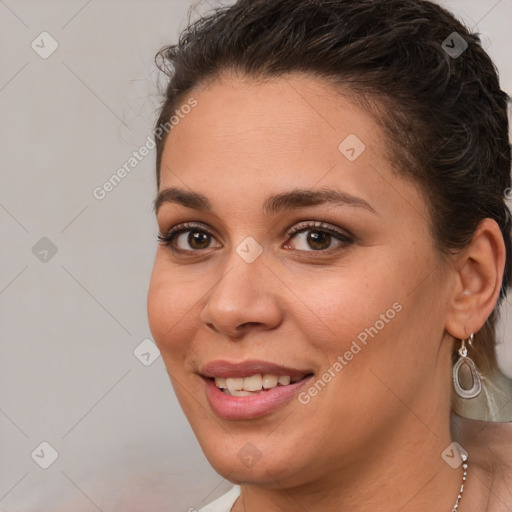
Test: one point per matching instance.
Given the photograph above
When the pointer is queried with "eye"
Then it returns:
(189, 234)
(191, 237)
(317, 236)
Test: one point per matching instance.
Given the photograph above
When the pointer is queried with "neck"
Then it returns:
(403, 470)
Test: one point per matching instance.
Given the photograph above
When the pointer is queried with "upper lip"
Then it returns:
(223, 368)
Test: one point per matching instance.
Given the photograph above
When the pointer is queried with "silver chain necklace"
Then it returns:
(465, 474)
(465, 468)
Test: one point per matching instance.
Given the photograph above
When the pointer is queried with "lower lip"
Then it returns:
(252, 406)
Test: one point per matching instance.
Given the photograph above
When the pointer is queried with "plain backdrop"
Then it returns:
(75, 269)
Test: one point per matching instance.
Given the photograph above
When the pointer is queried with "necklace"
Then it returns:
(465, 468)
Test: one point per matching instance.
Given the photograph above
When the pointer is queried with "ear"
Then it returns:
(479, 272)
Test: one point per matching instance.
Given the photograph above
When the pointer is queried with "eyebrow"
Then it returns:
(297, 198)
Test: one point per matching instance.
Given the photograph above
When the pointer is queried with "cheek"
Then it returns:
(170, 308)
(361, 327)
(343, 305)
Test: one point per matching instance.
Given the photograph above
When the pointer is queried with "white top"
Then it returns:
(224, 503)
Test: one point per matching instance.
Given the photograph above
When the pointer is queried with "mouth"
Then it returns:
(250, 389)
(255, 384)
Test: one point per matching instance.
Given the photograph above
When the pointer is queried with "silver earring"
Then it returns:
(466, 379)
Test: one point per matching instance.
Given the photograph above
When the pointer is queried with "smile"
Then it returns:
(255, 384)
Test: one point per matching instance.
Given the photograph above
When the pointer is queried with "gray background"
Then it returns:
(72, 320)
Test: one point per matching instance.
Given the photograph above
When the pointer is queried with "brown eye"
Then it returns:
(200, 238)
(319, 240)
(317, 237)
(186, 238)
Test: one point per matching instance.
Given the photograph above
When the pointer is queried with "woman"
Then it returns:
(334, 244)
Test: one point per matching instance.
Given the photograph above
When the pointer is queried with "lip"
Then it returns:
(224, 368)
(253, 406)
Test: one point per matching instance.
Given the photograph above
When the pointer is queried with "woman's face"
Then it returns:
(352, 304)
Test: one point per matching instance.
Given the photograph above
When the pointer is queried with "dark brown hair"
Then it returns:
(444, 114)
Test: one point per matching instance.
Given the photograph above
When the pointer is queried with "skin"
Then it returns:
(372, 438)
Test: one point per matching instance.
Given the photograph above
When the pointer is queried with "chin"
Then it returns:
(253, 459)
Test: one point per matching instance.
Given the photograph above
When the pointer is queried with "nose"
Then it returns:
(245, 299)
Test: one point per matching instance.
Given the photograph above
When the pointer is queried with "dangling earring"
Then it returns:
(466, 379)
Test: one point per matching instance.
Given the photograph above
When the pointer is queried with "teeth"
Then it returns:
(240, 393)
(220, 382)
(235, 384)
(269, 381)
(243, 386)
(253, 383)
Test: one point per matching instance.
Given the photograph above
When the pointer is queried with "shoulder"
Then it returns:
(499, 442)
(487, 442)
(489, 447)
(224, 503)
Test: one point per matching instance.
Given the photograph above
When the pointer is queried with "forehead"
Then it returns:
(246, 137)
(268, 121)
(294, 104)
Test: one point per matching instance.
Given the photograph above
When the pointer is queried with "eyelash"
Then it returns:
(319, 227)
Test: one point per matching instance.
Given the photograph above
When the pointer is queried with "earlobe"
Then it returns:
(479, 268)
